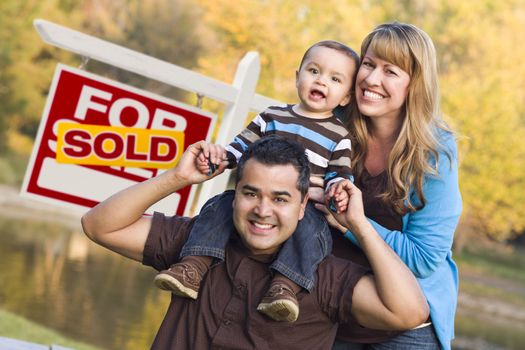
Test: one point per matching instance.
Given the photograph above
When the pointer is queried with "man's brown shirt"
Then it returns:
(225, 316)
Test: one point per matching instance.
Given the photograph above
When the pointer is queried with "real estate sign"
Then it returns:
(98, 136)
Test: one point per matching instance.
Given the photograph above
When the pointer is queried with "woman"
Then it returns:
(405, 164)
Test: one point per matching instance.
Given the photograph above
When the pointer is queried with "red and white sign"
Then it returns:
(124, 135)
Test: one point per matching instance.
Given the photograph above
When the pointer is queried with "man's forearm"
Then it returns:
(396, 285)
(127, 206)
(118, 222)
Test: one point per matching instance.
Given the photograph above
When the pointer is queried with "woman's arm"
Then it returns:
(391, 299)
(428, 233)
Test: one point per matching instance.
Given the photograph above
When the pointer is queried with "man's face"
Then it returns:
(267, 206)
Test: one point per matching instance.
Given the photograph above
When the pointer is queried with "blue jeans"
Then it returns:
(423, 338)
(298, 257)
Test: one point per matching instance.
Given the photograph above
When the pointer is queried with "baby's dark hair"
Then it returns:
(335, 45)
(276, 150)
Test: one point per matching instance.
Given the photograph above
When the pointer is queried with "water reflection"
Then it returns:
(56, 277)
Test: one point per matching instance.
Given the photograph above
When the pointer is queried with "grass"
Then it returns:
(505, 263)
(504, 268)
(511, 338)
(482, 290)
(13, 326)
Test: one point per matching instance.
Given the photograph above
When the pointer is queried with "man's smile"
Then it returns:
(261, 227)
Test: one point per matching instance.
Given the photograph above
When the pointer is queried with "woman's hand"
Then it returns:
(330, 218)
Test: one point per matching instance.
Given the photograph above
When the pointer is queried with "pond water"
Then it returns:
(53, 275)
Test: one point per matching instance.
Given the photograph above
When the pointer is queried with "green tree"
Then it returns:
(29, 67)
(163, 29)
(280, 31)
(11, 26)
(483, 92)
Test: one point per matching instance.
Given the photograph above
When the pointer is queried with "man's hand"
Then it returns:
(316, 191)
(330, 218)
(210, 159)
(392, 298)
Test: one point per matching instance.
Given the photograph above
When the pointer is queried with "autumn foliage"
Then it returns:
(480, 54)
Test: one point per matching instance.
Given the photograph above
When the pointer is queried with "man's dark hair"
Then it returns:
(276, 150)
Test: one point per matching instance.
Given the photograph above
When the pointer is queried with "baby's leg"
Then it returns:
(296, 265)
(184, 278)
(280, 301)
(208, 238)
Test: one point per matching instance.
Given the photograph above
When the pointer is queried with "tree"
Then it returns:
(279, 30)
(479, 49)
(163, 29)
(28, 68)
(483, 92)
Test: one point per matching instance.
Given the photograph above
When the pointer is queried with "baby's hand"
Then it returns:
(210, 159)
(341, 201)
(338, 198)
(201, 162)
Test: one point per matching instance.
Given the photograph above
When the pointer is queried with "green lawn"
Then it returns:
(500, 336)
(13, 326)
(506, 266)
(504, 262)
(497, 274)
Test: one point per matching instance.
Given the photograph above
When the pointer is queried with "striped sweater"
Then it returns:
(327, 141)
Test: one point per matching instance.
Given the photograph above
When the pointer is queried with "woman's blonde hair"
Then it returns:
(411, 49)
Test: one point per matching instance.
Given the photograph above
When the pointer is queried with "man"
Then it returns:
(270, 198)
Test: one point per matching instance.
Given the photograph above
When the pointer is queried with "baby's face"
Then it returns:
(324, 81)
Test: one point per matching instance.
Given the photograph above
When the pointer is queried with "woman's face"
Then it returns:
(381, 87)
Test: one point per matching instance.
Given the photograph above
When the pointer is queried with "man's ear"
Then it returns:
(296, 78)
(303, 206)
(235, 195)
